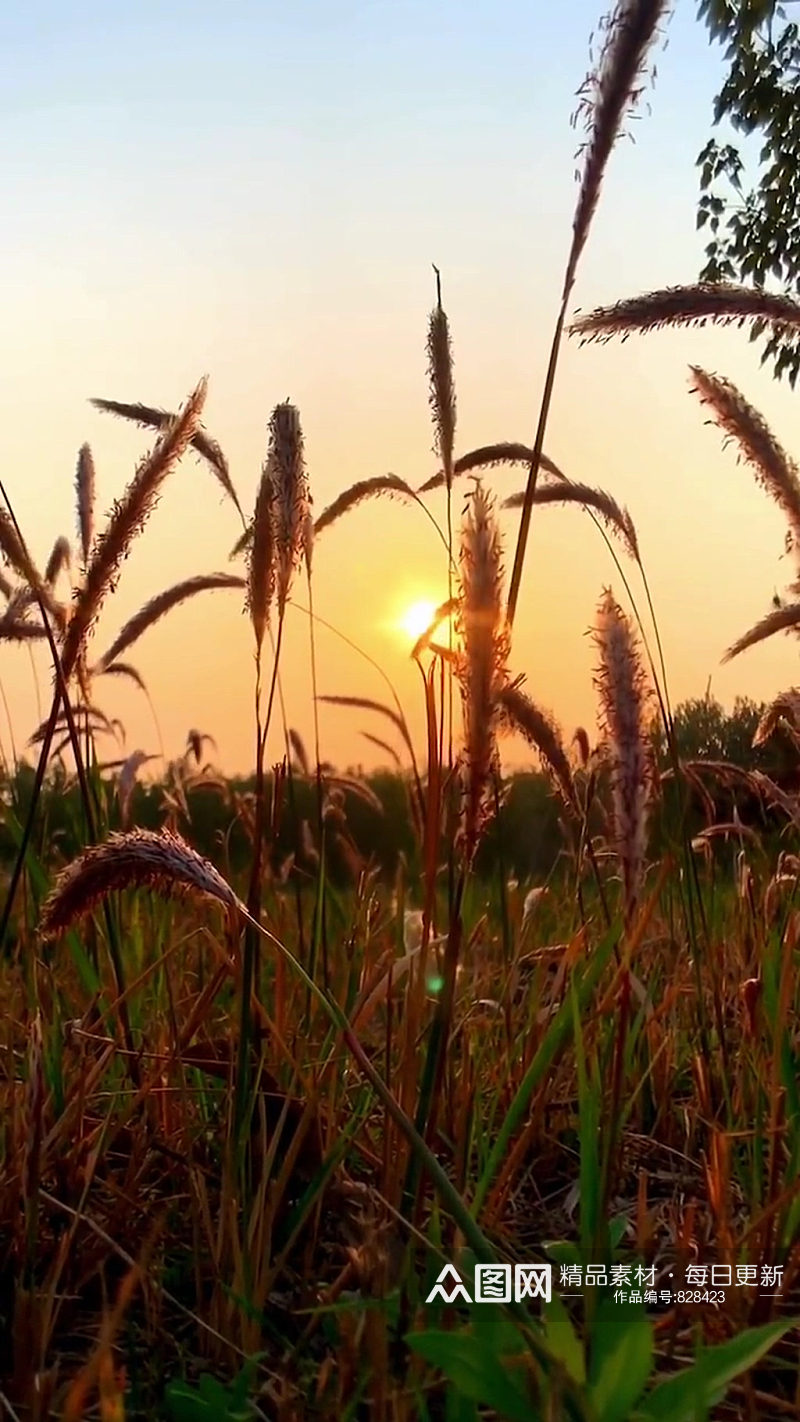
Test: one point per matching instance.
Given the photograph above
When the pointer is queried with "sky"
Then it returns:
(257, 192)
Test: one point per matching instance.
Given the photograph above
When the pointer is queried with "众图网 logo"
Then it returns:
(494, 1283)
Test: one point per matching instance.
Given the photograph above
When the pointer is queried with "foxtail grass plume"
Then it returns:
(773, 468)
(489, 456)
(291, 498)
(611, 92)
(201, 441)
(308, 539)
(564, 491)
(127, 519)
(348, 499)
(623, 712)
(482, 663)
(16, 555)
(608, 94)
(356, 493)
(784, 710)
(720, 303)
(84, 497)
(781, 619)
(442, 387)
(125, 669)
(195, 741)
(298, 748)
(60, 558)
(126, 781)
(581, 740)
(519, 713)
(162, 862)
(160, 605)
(261, 558)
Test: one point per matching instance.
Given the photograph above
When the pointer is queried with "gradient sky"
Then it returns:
(257, 192)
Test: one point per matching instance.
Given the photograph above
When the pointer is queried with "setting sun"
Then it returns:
(417, 618)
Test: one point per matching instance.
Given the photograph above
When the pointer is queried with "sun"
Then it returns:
(417, 618)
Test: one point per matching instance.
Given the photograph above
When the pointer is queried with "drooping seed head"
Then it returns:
(519, 713)
(721, 303)
(160, 605)
(782, 619)
(774, 469)
(784, 710)
(162, 862)
(127, 519)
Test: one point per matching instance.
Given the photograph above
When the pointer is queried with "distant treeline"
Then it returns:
(524, 840)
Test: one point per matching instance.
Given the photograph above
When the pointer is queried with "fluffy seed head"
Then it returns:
(261, 558)
(127, 519)
(564, 491)
(60, 557)
(442, 389)
(721, 303)
(785, 709)
(160, 605)
(611, 91)
(623, 707)
(782, 619)
(541, 731)
(773, 468)
(85, 492)
(482, 663)
(290, 494)
(162, 862)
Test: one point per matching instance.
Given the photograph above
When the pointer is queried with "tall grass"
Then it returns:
(253, 1101)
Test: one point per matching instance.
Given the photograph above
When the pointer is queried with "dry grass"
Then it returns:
(85, 481)
(442, 388)
(609, 94)
(781, 619)
(719, 303)
(150, 418)
(490, 456)
(161, 862)
(484, 658)
(127, 520)
(623, 696)
(542, 733)
(775, 471)
(566, 492)
(209, 1160)
(159, 606)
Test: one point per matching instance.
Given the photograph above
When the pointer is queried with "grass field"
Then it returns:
(256, 1099)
